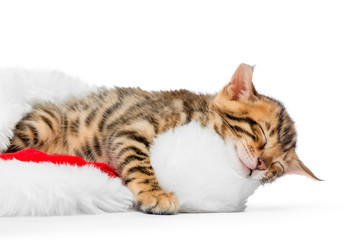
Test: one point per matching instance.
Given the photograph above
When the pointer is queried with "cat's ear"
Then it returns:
(295, 166)
(240, 87)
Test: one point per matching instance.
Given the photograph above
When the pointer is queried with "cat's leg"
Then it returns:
(37, 129)
(130, 157)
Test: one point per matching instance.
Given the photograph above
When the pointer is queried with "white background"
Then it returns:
(307, 55)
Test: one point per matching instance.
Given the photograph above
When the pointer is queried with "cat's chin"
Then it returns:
(256, 175)
(251, 174)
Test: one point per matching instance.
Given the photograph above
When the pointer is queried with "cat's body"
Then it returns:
(117, 127)
(86, 126)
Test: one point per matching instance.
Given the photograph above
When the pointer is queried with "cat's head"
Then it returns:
(262, 132)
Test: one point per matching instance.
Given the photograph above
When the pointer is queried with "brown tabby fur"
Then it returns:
(117, 126)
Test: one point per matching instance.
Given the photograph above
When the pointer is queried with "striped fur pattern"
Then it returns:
(117, 127)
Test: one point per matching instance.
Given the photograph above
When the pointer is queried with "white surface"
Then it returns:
(307, 55)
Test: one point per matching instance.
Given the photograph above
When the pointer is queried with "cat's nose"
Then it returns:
(261, 165)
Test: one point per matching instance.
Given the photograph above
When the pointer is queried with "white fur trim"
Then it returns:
(44, 189)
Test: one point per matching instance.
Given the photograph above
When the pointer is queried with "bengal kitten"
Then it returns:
(117, 127)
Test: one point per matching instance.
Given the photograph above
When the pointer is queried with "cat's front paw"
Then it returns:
(157, 202)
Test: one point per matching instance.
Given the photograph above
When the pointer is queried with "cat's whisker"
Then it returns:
(248, 152)
(245, 146)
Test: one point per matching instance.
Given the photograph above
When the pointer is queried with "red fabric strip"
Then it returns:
(31, 155)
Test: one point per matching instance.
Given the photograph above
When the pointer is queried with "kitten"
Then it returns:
(117, 127)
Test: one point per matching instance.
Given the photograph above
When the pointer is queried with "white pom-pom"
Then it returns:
(201, 169)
